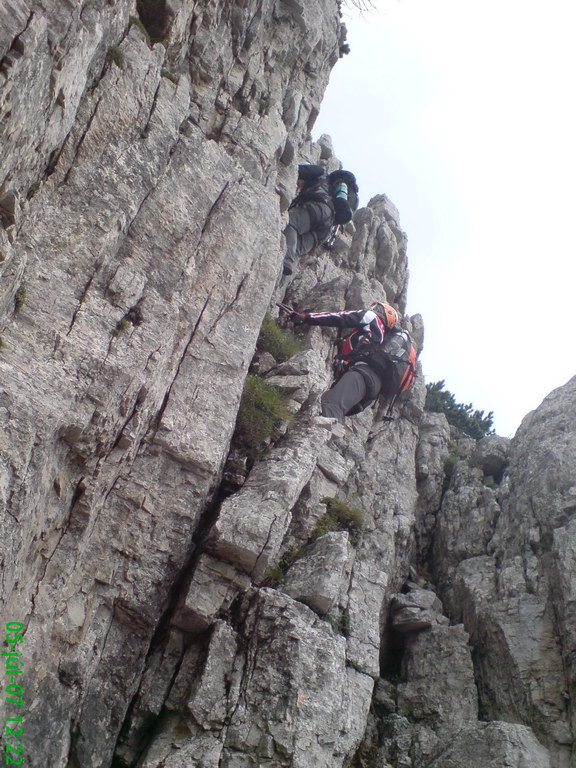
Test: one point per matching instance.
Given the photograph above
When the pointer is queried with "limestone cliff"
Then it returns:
(149, 153)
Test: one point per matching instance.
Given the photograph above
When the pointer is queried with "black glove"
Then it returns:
(297, 317)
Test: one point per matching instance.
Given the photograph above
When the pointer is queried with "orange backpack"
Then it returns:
(402, 352)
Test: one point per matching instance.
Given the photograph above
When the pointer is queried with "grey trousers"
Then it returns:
(307, 225)
(349, 391)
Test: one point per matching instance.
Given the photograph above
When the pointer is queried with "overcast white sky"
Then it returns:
(464, 114)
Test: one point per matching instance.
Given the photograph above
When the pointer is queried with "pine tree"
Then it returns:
(469, 421)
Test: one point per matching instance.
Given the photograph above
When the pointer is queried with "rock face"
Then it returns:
(149, 153)
(512, 582)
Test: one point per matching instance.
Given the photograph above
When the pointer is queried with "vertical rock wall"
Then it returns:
(146, 147)
(149, 155)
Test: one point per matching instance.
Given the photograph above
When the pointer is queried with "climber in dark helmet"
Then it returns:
(323, 200)
(377, 357)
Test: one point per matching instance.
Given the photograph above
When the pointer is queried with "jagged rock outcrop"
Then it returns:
(149, 155)
(495, 690)
(512, 582)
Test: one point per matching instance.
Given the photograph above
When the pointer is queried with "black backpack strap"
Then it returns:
(409, 369)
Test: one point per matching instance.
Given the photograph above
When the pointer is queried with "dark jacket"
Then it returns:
(362, 345)
(366, 324)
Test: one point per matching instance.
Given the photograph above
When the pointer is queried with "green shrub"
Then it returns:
(340, 516)
(290, 556)
(449, 467)
(455, 455)
(277, 573)
(20, 296)
(33, 190)
(169, 75)
(273, 577)
(121, 326)
(340, 624)
(262, 411)
(280, 343)
(470, 422)
(116, 56)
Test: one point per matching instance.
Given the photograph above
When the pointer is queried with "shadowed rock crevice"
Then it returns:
(156, 16)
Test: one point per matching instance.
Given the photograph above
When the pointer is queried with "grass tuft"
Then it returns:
(280, 343)
(170, 76)
(262, 411)
(115, 56)
(340, 516)
(34, 189)
(455, 455)
(276, 574)
(20, 296)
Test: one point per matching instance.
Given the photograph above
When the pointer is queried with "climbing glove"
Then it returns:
(297, 318)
